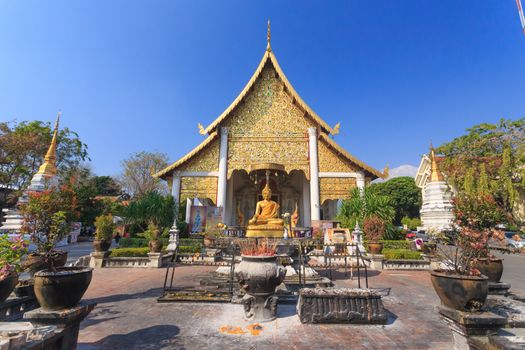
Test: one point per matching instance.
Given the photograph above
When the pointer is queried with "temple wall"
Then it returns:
(207, 160)
(200, 187)
(336, 188)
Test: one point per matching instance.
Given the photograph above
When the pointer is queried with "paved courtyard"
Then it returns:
(128, 317)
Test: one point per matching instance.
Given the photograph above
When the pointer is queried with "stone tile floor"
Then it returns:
(128, 317)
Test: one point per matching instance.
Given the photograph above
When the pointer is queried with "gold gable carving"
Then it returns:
(335, 188)
(206, 160)
(330, 161)
(202, 187)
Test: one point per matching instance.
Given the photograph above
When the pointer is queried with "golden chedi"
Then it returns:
(266, 222)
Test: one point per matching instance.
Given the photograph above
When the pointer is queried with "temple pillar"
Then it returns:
(306, 203)
(175, 192)
(223, 171)
(189, 203)
(315, 207)
(360, 180)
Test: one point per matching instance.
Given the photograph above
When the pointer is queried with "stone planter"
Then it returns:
(61, 289)
(209, 242)
(492, 268)
(7, 286)
(463, 293)
(155, 246)
(258, 277)
(375, 247)
(25, 288)
(101, 245)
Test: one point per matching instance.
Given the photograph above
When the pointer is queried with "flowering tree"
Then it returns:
(47, 215)
(477, 216)
(11, 251)
(374, 228)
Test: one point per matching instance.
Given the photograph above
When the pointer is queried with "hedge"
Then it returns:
(392, 254)
(189, 249)
(139, 242)
(130, 252)
(190, 242)
(401, 244)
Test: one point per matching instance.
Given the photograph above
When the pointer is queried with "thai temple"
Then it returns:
(267, 154)
(44, 178)
(437, 209)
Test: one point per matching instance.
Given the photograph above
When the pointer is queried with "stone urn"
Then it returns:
(375, 247)
(258, 277)
(492, 268)
(463, 293)
(7, 285)
(101, 245)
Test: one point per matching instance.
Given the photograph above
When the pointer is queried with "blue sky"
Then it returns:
(139, 75)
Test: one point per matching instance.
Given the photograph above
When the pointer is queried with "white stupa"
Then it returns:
(44, 178)
(437, 209)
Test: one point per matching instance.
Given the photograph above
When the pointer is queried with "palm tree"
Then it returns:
(364, 204)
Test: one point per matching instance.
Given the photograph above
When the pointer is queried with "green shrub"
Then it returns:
(396, 244)
(189, 249)
(190, 241)
(393, 254)
(129, 252)
(105, 227)
(137, 242)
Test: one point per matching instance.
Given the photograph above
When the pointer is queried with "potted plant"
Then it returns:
(153, 235)
(210, 236)
(104, 232)
(259, 275)
(461, 285)
(374, 229)
(11, 251)
(46, 216)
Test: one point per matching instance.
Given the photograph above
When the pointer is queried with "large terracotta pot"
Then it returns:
(464, 293)
(7, 285)
(209, 242)
(492, 268)
(375, 247)
(35, 261)
(155, 246)
(61, 289)
(101, 245)
(260, 275)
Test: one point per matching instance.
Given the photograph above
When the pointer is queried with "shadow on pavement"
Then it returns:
(154, 337)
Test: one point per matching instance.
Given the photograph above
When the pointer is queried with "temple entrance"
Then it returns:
(290, 191)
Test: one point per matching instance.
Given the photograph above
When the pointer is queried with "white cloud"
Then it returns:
(402, 170)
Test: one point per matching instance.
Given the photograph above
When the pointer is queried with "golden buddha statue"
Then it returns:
(266, 222)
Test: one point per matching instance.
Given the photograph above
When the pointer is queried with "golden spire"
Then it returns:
(435, 174)
(49, 167)
(268, 37)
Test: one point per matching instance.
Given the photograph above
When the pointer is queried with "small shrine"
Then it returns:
(437, 209)
(266, 155)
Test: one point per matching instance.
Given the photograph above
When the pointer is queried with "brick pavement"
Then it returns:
(128, 317)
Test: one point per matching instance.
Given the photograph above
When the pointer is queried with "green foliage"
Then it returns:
(403, 254)
(411, 223)
(374, 228)
(150, 209)
(489, 159)
(401, 244)
(129, 252)
(133, 242)
(403, 193)
(191, 241)
(363, 205)
(189, 249)
(105, 227)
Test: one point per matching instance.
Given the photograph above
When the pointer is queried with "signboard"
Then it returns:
(198, 216)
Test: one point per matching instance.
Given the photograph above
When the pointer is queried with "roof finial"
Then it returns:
(435, 174)
(268, 37)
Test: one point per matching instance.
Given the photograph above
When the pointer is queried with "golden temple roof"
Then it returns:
(269, 56)
(49, 167)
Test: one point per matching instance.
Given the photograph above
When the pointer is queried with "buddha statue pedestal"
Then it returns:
(265, 231)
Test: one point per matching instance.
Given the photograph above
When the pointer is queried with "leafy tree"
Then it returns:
(23, 147)
(362, 205)
(403, 194)
(152, 211)
(136, 176)
(489, 159)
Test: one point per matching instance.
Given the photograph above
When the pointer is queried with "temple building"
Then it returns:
(268, 139)
(437, 208)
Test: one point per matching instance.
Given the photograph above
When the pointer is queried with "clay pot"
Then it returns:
(375, 247)
(492, 268)
(429, 248)
(260, 275)
(61, 289)
(155, 246)
(463, 293)
(101, 245)
(35, 261)
(7, 285)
